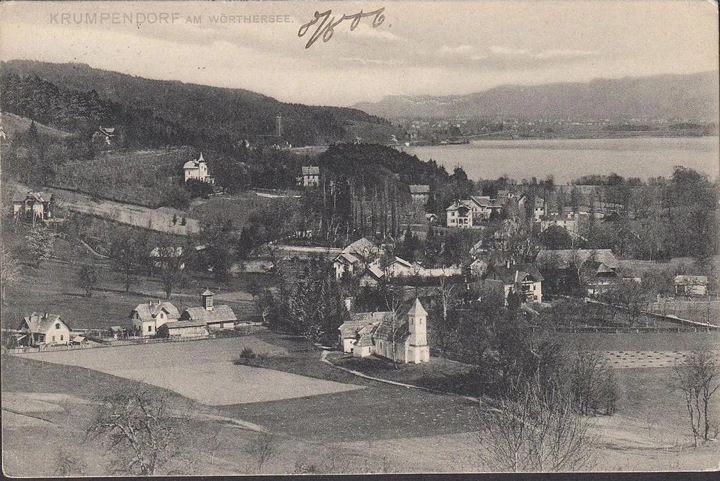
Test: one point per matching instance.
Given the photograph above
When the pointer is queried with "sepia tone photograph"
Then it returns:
(308, 238)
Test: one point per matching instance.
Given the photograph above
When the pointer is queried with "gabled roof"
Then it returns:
(207, 292)
(685, 280)
(347, 257)
(459, 204)
(36, 196)
(402, 262)
(310, 170)
(221, 313)
(359, 320)
(563, 258)
(148, 310)
(386, 332)
(519, 272)
(41, 323)
(419, 189)
(374, 271)
(182, 324)
(191, 164)
(361, 247)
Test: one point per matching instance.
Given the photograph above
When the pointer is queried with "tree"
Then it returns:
(170, 259)
(698, 378)
(139, 431)
(592, 383)
(9, 271)
(39, 245)
(556, 237)
(262, 448)
(87, 279)
(126, 258)
(535, 431)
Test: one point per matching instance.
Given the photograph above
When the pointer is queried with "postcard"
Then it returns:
(277, 238)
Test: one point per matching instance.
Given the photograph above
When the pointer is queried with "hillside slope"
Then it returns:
(217, 115)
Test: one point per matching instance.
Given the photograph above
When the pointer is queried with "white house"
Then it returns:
(215, 317)
(310, 176)
(482, 206)
(459, 214)
(345, 264)
(539, 209)
(690, 285)
(524, 279)
(355, 257)
(400, 338)
(420, 193)
(148, 317)
(44, 329)
(197, 170)
(33, 206)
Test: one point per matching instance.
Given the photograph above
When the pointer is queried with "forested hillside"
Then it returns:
(77, 97)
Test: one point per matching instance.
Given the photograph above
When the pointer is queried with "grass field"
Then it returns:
(200, 370)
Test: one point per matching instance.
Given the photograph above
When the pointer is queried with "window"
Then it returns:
(53, 338)
(149, 328)
(57, 325)
(62, 338)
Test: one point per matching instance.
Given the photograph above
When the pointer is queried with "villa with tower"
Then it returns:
(197, 170)
(401, 338)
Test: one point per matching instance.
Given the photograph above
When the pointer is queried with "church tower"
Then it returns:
(418, 350)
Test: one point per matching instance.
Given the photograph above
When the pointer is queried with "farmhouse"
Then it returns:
(183, 329)
(33, 206)
(483, 207)
(690, 285)
(214, 317)
(44, 329)
(345, 263)
(310, 176)
(148, 317)
(400, 338)
(197, 170)
(420, 193)
(523, 279)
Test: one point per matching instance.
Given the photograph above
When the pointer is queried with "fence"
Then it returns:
(623, 330)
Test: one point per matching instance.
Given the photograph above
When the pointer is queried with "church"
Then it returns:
(401, 338)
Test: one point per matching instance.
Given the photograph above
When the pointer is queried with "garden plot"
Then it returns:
(199, 370)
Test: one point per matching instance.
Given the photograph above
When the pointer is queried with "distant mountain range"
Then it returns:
(73, 97)
(692, 97)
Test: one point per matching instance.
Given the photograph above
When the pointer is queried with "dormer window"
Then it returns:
(57, 325)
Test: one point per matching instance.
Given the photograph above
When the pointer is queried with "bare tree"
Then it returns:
(698, 378)
(535, 431)
(262, 448)
(67, 464)
(139, 431)
(171, 261)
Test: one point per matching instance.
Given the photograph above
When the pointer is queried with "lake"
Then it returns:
(568, 159)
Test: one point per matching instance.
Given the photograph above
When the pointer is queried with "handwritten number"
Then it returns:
(326, 28)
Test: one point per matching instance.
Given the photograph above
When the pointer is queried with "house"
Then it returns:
(420, 193)
(215, 317)
(690, 285)
(33, 206)
(355, 257)
(104, 134)
(568, 221)
(148, 317)
(345, 264)
(483, 207)
(459, 214)
(159, 255)
(197, 170)
(372, 276)
(44, 329)
(399, 338)
(539, 210)
(524, 279)
(310, 176)
(183, 329)
(401, 268)
(478, 268)
(597, 267)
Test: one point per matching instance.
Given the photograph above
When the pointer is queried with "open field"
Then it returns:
(53, 288)
(362, 430)
(200, 370)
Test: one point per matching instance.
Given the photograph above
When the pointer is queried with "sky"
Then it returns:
(416, 48)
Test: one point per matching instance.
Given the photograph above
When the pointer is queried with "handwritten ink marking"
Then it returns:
(326, 27)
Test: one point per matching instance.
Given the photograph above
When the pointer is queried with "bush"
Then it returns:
(248, 357)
